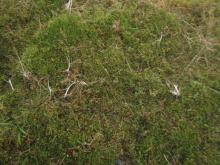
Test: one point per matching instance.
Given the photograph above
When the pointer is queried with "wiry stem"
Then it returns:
(73, 83)
(161, 36)
(11, 85)
(49, 88)
(68, 5)
(24, 73)
(166, 159)
(174, 89)
(69, 65)
(68, 88)
(68, 71)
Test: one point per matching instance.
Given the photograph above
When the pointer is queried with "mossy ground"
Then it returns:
(120, 109)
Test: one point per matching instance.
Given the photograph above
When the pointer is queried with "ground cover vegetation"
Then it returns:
(109, 82)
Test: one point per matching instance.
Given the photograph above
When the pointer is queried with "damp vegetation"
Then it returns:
(109, 82)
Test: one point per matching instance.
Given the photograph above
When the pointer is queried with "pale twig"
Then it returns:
(166, 159)
(24, 72)
(83, 83)
(68, 5)
(11, 85)
(161, 37)
(73, 83)
(68, 88)
(49, 88)
(69, 65)
(174, 89)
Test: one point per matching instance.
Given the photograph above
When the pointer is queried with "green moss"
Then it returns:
(53, 45)
(19, 20)
(126, 112)
(95, 42)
